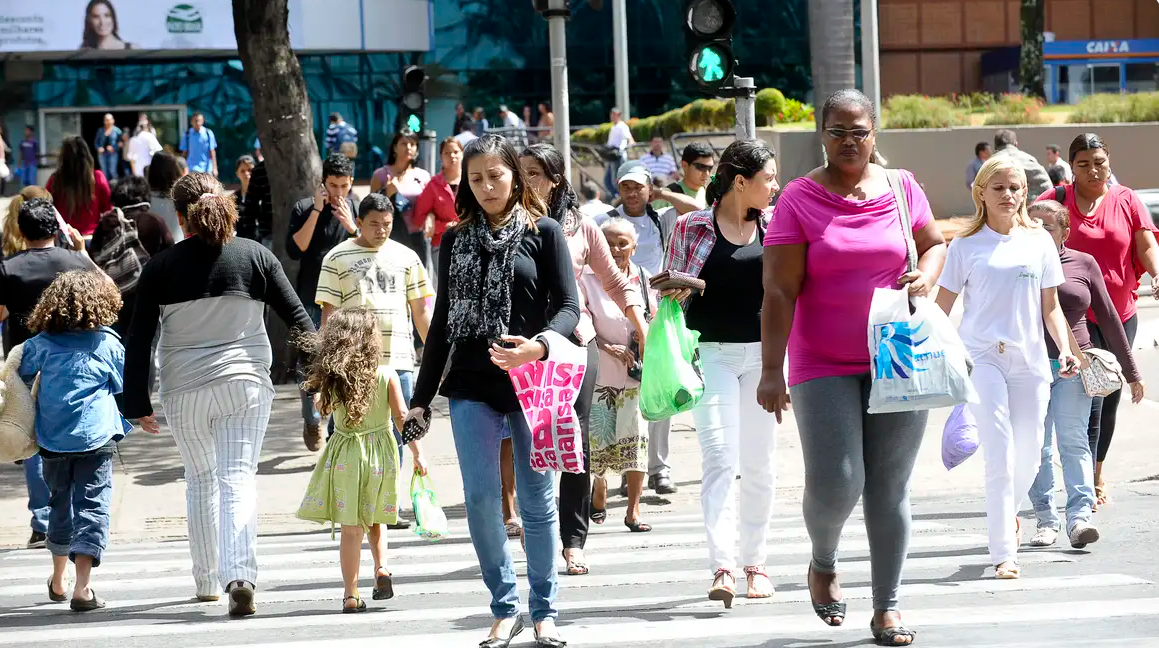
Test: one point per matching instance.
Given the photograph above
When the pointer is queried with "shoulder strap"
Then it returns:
(644, 277)
(899, 197)
(1060, 194)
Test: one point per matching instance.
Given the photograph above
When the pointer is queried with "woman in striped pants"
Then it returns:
(209, 294)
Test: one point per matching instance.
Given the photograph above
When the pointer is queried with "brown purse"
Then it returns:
(672, 280)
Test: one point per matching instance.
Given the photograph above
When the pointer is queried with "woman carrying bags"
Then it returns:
(721, 245)
(507, 277)
(1010, 271)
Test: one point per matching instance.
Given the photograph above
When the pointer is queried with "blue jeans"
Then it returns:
(1067, 416)
(28, 174)
(81, 487)
(108, 163)
(37, 493)
(478, 429)
(309, 412)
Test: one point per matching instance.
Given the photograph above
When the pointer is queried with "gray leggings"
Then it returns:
(849, 453)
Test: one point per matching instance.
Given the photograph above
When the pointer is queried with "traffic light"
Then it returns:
(414, 100)
(708, 36)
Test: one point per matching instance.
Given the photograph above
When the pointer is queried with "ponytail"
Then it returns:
(208, 213)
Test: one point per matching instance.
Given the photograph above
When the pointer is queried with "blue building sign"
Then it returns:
(1079, 68)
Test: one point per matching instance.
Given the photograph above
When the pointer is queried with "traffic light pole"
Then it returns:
(620, 56)
(745, 92)
(557, 14)
(870, 58)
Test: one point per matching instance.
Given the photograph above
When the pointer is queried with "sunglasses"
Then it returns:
(859, 134)
(705, 168)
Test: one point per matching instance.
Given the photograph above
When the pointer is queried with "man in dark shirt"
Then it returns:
(23, 277)
(316, 225)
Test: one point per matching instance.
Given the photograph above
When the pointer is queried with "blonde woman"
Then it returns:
(1009, 269)
(13, 241)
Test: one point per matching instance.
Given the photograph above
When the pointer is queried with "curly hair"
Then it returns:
(78, 300)
(346, 354)
(207, 211)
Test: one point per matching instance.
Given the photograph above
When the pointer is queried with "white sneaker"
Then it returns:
(1044, 537)
(1083, 534)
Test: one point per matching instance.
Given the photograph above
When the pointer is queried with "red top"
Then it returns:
(1108, 234)
(85, 218)
(437, 197)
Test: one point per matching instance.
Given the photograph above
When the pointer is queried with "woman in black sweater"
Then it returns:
(509, 278)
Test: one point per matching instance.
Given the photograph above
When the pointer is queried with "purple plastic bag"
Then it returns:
(959, 437)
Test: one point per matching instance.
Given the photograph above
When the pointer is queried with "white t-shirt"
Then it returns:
(1002, 278)
(465, 137)
(649, 242)
(619, 136)
(141, 149)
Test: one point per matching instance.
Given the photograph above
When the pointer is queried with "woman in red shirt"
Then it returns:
(435, 206)
(80, 192)
(1110, 223)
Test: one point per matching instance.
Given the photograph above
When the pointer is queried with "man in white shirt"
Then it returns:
(1054, 158)
(659, 163)
(619, 139)
(593, 206)
(516, 130)
(466, 132)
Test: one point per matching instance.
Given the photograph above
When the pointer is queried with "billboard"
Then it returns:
(105, 27)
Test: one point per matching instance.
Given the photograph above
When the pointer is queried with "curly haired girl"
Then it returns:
(80, 362)
(355, 483)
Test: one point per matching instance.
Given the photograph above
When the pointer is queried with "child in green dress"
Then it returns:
(355, 483)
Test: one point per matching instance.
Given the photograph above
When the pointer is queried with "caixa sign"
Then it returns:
(1109, 47)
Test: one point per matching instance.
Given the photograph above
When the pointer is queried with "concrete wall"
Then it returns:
(938, 157)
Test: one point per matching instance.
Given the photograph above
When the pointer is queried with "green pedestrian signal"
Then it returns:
(710, 65)
(708, 41)
(413, 123)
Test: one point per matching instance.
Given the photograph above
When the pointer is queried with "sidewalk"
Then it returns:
(149, 492)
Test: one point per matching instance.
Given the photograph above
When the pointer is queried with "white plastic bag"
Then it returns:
(17, 410)
(918, 361)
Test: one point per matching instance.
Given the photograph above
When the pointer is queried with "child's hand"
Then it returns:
(420, 464)
(149, 424)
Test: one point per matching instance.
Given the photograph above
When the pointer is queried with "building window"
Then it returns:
(1142, 77)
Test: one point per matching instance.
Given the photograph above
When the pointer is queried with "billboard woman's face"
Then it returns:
(101, 20)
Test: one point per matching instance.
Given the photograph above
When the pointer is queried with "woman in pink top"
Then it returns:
(435, 207)
(835, 237)
(1110, 223)
(403, 183)
(543, 166)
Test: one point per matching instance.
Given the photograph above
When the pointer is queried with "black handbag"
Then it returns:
(414, 429)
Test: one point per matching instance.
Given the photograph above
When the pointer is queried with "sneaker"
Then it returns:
(662, 484)
(241, 599)
(312, 435)
(38, 540)
(1044, 537)
(1083, 534)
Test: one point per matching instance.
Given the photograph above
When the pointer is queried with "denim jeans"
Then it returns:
(81, 490)
(309, 412)
(28, 174)
(1066, 416)
(108, 162)
(38, 493)
(478, 429)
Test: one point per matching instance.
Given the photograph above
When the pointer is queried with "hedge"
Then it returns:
(1016, 109)
(919, 111)
(1116, 108)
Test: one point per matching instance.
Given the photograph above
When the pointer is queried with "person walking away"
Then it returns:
(29, 157)
(355, 483)
(619, 437)
(509, 279)
(164, 171)
(435, 206)
(1009, 269)
(982, 152)
(24, 276)
(79, 362)
(208, 293)
(835, 237)
(80, 193)
(108, 145)
(1110, 223)
(339, 133)
(660, 164)
(249, 210)
(1069, 409)
(619, 139)
(514, 128)
(317, 225)
(199, 146)
(467, 133)
(1006, 145)
(543, 167)
(722, 246)
(143, 147)
(13, 240)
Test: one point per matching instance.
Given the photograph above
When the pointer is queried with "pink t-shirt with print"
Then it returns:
(854, 246)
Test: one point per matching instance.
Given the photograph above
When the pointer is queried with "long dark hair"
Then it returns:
(467, 206)
(391, 155)
(164, 171)
(90, 39)
(75, 178)
(744, 158)
(1086, 142)
(563, 198)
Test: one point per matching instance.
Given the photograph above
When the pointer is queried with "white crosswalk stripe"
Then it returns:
(644, 589)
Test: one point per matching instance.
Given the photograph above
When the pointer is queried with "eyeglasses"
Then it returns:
(705, 168)
(859, 134)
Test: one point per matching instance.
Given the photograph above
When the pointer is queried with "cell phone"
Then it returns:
(503, 344)
(636, 371)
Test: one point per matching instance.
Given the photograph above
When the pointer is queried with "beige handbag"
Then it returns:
(17, 410)
(1104, 376)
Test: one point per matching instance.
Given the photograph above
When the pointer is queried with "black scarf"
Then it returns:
(480, 291)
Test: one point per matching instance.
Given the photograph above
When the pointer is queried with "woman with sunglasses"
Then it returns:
(835, 237)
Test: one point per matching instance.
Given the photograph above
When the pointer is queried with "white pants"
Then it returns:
(736, 435)
(1011, 418)
(219, 431)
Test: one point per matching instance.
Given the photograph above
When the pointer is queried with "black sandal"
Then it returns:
(599, 516)
(361, 607)
(499, 642)
(833, 614)
(637, 526)
(53, 596)
(888, 636)
(383, 588)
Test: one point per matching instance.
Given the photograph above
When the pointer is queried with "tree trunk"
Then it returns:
(831, 49)
(285, 127)
(1031, 71)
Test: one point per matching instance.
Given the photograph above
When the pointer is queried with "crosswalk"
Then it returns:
(644, 589)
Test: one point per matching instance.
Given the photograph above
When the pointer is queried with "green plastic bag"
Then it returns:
(430, 522)
(672, 381)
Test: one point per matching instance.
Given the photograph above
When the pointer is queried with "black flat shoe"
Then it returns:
(638, 527)
(359, 607)
(383, 588)
(889, 636)
(499, 642)
(53, 596)
(95, 603)
(833, 614)
(548, 642)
